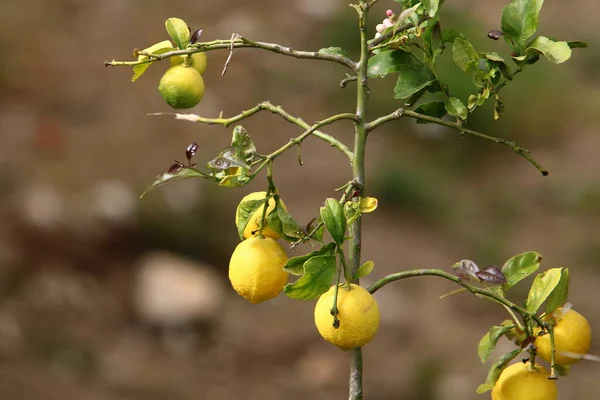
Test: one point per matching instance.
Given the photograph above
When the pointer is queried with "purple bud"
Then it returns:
(389, 13)
(191, 151)
(495, 34)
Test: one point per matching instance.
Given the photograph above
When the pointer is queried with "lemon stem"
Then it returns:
(187, 61)
(550, 329)
(270, 191)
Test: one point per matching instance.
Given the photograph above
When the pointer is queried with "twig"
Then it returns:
(275, 110)
(233, 37)
(399, 113)
(385, 36)
(347, 79)
(239, 42)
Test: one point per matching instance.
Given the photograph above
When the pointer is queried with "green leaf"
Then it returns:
(501, 64)
(433, 109)
(179, 32)
(364, 270)
(243, 145)
(335, 51)
(496, 369)
(352, 211)
(449, 35)
(233, 177)
(520, 21)
(295, 265)
(156, 49)
(228, 158)
(558, 297)
(334, 219)
(414, 77)
(456, 108)
(318, 275)
(464, 55)
(555, 52)
(432, 38)
(541, 288)
(488, 342)
(388, 62)
(431, 7)
(245, 211)
(520, 267)
(178, 175)
(284, 224)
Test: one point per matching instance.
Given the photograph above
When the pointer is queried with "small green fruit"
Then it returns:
(181, 87)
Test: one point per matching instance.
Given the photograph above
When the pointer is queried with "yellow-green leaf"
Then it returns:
(179, 32)
(368, 204)
(155, 49)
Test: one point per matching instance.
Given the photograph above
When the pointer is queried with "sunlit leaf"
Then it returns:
(335, 51)
(177, 175)
(520, 21)
(364, 270)
(555, 52)
(156, 49)
(179, 32)
(243, 144)
(488, 342)
(334, 219)
(368, 204)
(464, 55)
(542, 287)
(456, 108)
(245, 211)
(431, 7)
(388, 62)
(295, 265)
(284, 224)
(319, 272)
(559, 295)
(520, 267)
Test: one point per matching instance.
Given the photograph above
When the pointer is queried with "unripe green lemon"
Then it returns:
(199, 61)
(256, 269)
(520, 381)
(254, 221)
(572, 334)
(358, 314)
(181, 87)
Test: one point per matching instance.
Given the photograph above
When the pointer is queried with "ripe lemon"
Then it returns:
(572, 334)
(254, 221)
(358, 314)
(256, 269)
(181, 87)
(521, 382)
(199, 61)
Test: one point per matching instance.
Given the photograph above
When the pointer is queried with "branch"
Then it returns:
(296, 141)
(275, 110)
(471, 288)
(240, 42)
(399, 113)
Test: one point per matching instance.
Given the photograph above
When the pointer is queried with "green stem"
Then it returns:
(401, 112)
(266, 106)
(240, 42)
(358, 174)
(471, 288)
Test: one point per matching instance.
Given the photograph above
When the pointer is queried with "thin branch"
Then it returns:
(239, 42)
(347, 79)
(296, 141)
(443, 274)
(399, 113)
(275, 110)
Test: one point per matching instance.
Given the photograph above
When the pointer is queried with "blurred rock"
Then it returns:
(41, 206)
(113, 201)
(172, 291)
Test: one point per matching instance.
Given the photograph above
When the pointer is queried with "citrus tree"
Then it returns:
(407, 43)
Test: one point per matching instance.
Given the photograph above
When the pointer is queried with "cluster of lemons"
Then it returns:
(182, 85)
(572, 337)
(256, 273)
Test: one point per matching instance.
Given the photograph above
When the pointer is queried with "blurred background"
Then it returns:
(104, 296)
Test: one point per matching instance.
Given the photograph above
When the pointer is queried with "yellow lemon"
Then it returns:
(199, 61)
(254, 221)
(520, 381)
(256, 269)
(181, 87)
(358, 315)
(572, 334)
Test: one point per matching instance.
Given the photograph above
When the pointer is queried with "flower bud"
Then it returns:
(387, 23)
(380, 28)
(389, 13)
